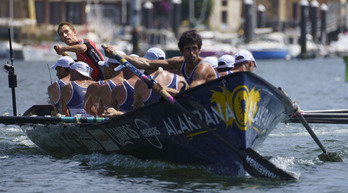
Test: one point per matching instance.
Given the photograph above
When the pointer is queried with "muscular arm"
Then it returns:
(65, 97)
(103, 98)
(78, 48)
(143, 63)
(140, 89)
(90, 97)
(203, 73)
(53, 94)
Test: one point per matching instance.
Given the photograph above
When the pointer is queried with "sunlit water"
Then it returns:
(314, 84)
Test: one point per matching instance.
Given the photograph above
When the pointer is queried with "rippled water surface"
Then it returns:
(315, 84)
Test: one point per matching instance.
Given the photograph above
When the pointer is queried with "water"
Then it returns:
(314, 84)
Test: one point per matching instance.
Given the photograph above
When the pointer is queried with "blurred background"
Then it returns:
(287, 28)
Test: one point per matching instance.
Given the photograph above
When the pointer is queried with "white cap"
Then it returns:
(155, 54)
(226, 61)
(111, 60)
(106, 63)
(212, 60)
(134, 55)
(244, 55)
(82, 68)
(64, 62)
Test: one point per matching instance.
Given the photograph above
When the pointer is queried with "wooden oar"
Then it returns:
(332, 156)
(63, 54)
(253, 163)
(20, 120)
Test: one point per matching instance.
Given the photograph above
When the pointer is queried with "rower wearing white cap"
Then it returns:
(190, 64)
(225, 65)
(98, 94)
(73, 94)
(244, 61)
(62, 66)
(155, 54)
(122, 95)
(173, 83)
(213, 61)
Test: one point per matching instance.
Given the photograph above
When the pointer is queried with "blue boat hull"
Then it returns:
(270, 54)
(241, 107)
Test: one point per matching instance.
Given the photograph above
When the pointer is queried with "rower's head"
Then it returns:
(155, 54)
(244, 61)
(225, 62)
(62, 66)
(190, 44)
(108, 66)
(67, 33)
(212, 60)
(80, 69)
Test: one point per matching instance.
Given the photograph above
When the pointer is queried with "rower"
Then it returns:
(244, 61)
(173, 83)
(73, 94)
(122, 95)
(190, 64)
(62, 66)
(225, 65)
(85, 49)
(98, 94)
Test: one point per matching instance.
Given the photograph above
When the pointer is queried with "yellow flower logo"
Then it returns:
(240, 106)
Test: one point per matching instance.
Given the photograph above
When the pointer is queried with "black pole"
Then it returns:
(248, 22)
(12, 78)
(323, 9)
(261, 16)
(176, 16)
(148, 8)
(304, 16)
(135, 17)
(314, 19)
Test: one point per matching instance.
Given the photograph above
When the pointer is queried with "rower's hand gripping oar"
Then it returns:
(253, 163)
(63, 54)
(331, 156)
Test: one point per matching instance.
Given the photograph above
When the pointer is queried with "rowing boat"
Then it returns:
(241, 107)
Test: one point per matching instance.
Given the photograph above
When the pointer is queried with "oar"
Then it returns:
(332, 118)
(49, 72)
(332, 156)
(328, 111)
(63, 54)
(325, 115)
(20, 120)
(253, 163)
(328, 120)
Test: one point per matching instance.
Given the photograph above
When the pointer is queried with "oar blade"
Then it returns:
(257, 166)
(330, 157)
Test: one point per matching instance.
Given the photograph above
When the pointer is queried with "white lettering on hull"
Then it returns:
(122, 135)
(150, 133)
(104, 140)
